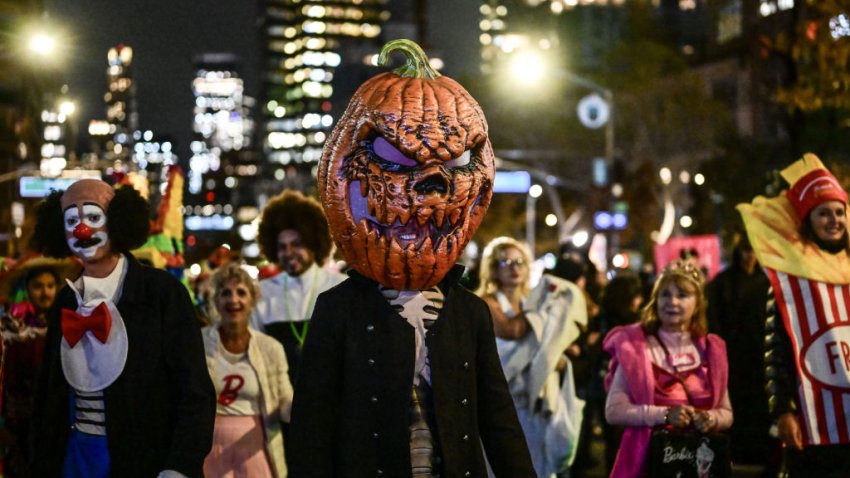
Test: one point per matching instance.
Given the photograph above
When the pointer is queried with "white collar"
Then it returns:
(91, 365)
(305, 277)
(89, 289)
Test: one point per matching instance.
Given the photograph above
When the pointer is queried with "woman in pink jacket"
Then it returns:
(671, 338)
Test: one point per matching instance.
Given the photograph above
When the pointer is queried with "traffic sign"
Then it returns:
(593, 111)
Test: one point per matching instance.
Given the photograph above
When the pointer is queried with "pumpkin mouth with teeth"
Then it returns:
(406, 178)
(422, 212)
(405, 231)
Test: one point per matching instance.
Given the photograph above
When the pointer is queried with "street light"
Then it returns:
(42, 44)
(527, 68)
(666, 175)
(580, 238)
(67, 107)
(534, 192)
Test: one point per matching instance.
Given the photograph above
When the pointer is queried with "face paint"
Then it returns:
(85, 231)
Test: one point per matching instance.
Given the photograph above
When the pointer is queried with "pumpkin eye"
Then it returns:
(460, 161)
(384, 150)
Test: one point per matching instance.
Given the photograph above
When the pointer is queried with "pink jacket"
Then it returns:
(628, 348)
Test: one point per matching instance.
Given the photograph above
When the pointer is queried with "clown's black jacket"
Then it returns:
(350, 414)
(161, 409)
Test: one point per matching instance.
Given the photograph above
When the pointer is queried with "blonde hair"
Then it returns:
(495, 252)
(688, 277)
(230, 272)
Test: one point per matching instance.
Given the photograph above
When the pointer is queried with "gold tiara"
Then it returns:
(685, 268)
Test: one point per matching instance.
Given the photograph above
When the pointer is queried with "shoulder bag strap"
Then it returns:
(676, 375)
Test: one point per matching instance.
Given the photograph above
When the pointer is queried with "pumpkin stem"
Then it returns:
(416, 65)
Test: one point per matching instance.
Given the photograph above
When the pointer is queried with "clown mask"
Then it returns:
(84, 207)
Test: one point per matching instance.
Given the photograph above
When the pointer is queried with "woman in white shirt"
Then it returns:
(249, 371)
(531, 346)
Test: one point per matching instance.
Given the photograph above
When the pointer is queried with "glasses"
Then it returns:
(505, 263)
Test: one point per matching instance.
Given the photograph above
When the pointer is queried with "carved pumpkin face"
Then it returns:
(406, 176)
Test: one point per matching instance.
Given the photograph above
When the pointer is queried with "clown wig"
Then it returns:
(127, 220)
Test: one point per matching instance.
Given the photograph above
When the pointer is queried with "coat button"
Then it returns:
(379, 472)
(370, 328)
(466, 438)
(464, 402)
(467, 474)
(466, 365)
(374, 399)
(375, 436)
(371, 362)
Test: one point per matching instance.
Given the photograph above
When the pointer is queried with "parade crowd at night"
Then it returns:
(358, 285)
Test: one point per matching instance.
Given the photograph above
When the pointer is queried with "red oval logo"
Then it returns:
(826, 358)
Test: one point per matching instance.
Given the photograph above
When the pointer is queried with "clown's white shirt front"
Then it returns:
(90, 365)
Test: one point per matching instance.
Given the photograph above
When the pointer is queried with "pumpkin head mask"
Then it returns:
(406, 176)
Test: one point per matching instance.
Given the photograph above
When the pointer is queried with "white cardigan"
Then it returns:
(266, 356)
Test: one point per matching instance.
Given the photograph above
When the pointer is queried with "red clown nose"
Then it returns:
(82, 231)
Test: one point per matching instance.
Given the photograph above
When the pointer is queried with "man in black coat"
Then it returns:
(399, 374)
(123, 349)
(737, 313)
(350, 416)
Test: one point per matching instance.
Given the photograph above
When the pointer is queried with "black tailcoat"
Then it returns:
(350, 414)
(161, 410)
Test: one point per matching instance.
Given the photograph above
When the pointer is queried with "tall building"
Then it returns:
(305, 42)
(55, 136)
(222, 115)
(740, 71)
(120, 101)
(223, 167)
(26, 74)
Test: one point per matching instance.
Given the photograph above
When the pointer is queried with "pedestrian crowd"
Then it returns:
(112, 366)
(576, 357)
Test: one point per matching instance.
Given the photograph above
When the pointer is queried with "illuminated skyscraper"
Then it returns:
(305, 42)
(54, 151)
(120, 100)
(221, 111)
(222, 120)
(223, 165)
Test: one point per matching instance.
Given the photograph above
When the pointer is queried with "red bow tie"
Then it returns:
(74, 325)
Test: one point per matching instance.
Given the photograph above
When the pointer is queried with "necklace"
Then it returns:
(300, 335)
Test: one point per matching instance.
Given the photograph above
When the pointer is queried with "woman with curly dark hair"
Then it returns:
(123, 351)
(293, 232)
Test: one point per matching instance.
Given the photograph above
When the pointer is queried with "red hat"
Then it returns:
(816, 187)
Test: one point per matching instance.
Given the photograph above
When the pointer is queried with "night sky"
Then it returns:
(166, 34)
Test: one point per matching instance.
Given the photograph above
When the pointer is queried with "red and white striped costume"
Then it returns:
(816, 316)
